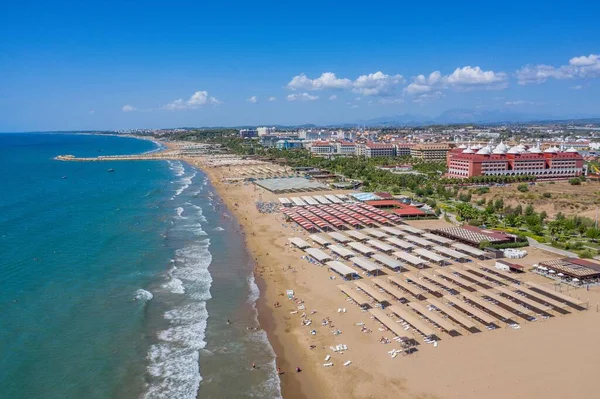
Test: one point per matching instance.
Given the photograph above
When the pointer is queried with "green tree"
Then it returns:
(484, 244)
(529, 210)
(592, 233)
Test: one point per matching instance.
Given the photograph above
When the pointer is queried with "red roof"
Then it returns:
(510, 265)
(379, 145)
(384, 203)
(408, 210)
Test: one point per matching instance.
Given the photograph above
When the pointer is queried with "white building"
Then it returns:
(265, 131)
(403, 149)
(321, 147)
(345, 148)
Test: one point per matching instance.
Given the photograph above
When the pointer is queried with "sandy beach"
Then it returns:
(551, 358)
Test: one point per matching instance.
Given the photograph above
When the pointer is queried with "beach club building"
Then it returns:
(579, 270)
(474, 236)
(552, 163)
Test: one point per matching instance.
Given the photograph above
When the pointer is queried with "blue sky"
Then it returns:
(110, 65)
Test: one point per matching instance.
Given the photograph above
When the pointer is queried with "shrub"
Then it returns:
(518, 244)
(586, 254)
(575, 181)
(547, 195)
(523, 188)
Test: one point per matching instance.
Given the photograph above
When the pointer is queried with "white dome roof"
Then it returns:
(468, 151)
(477, 147)
(462, 146)
(571, 150)
(500, 149)
(514, 150)
(535, 150)
(485, 151)
(552, 149)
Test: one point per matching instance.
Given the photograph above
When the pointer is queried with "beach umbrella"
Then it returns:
(552, 271)
(575, 279)
(560, 274)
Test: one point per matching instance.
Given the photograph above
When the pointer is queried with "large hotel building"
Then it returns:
(552, 163)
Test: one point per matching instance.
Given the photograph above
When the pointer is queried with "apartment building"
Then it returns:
(434, 152)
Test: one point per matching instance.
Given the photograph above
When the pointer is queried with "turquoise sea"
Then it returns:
(120, 284)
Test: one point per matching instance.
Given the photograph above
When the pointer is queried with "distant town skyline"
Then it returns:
(121, 66)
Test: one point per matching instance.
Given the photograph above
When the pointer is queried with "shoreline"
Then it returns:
(293, 385)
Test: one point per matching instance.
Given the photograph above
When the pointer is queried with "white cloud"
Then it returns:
(469, 77)
(327, 80)
(465, 78)
(577, 87)
(353, 106)
(333, 97)
(377, 84)
(583, 61)
(302, 97)
(198, 99)
(428, 97)
(518, 102)
(579, 67)
(391, 101)
(540, 73)
(252, 99)
(422, 84)
(91, 111)
(128, 108)
(272, 98)
(373, 84)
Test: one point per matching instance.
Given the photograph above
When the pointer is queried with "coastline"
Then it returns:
(460, 367)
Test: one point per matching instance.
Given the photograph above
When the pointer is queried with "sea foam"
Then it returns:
(143, 295)
(174, 362)
(272, 386)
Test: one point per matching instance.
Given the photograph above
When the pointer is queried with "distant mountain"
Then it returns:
(397, 120)
(483, 116)
(462, 116)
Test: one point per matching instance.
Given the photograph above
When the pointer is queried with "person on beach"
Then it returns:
(254, 365)
(298, 370)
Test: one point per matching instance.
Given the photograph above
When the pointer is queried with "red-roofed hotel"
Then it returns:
(552, 163)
